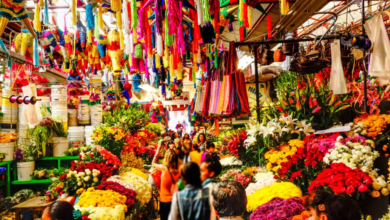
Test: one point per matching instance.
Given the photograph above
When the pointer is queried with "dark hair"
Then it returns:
(190, 172)
(184, 136)
(196, 147)
(204, 137)
(61, 210)
(229, 198)
(213, 164)
(337, 207)
(171, 142)
(209, 145)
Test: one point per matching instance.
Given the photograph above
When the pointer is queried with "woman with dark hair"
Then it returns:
(187, 147)
(169, 177)
(202, 141)
(192, 203)
(60, 210)
(186, 136)
(326, 206)
(210, 148)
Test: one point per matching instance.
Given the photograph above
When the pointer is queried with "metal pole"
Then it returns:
(257, 84)
(364, 57)
(258, 43)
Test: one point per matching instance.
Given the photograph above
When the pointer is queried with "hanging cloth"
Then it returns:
(338, 83)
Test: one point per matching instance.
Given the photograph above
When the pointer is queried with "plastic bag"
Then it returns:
(31, 112)
(337, 80)
(380, 57)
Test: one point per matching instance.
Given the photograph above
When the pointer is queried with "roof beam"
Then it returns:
(261, 18)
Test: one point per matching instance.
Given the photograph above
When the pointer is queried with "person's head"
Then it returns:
(177, 135)
(229, 198)
(186, 136)
(210, 147)
(187, 145)
(190, 174)
(195, 147)
(60, 210)
(211, 167)
(171, 159)
(201, 138)
(171, 145)
(326, 206)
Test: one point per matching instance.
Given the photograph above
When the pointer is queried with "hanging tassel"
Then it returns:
(158, 61)
(159, 45)
(36, 53)
(242, 34)
(158, 16)
(125, 18)
(119, 20)
(245, 14)
(121, 40)
(168, 37)
(249, 17)
(284, 7)
(96, 30)
(179, 71)
(89, 17)
(46, 13)
(37, 22)
(215, 57)
(134, 19)
(166, 60)
(269, 27)
(74, 14)
(41, 3)
(100, 16)
(116, 5)
(200, 12)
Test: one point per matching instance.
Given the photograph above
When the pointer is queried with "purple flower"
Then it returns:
(18, 155)
(279, 209)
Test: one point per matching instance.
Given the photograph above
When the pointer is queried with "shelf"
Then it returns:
(6, 163)
(60, 158)
(16, 182)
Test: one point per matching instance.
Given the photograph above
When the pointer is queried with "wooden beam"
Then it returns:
(261, 18)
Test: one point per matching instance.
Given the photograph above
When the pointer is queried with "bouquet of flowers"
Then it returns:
(281, 155)
(105, 170)
(116, 187)
(99, 213)
(321, 142)
(283, 190)
(279, 209)
(356, 152)
(102, 198)
(144, 136)
(74, 151)
(112, 138)
(342, 179)
(156, 128)
(237, 175)
(108, 156)
(262, 179)
(130, 118)
(74, 181)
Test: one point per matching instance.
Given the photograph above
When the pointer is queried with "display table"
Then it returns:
(34, 204)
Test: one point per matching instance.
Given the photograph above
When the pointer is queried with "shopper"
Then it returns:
(186, 136)
(192, 203)
(185, 125)
(177, 140)
(210, 148)
(229, 200)
(326, 206)
(187, 150)
(196, 154)
(179, 128)
(60, 210)
(202, 141)
(169, 177)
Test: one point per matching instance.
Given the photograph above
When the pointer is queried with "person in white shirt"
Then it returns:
(229, 200)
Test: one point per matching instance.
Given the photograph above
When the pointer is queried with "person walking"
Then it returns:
(179, 128)
(202, 141)
(169, 177)
(192, 203)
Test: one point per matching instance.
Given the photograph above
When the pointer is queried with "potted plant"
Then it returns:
(25, 156)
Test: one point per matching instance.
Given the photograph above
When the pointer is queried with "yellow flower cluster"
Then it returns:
(101, 198)
(277, 157)
(117, 133)
(128, 159)
(373, 125)
(283, 190)
(250, 171)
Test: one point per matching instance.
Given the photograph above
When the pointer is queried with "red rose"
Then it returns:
(363, 188)
(368, 180)
(314, 163)
(350, 190)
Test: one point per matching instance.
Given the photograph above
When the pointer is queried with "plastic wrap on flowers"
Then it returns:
(284, 190)
(279, 209)
(103, 213)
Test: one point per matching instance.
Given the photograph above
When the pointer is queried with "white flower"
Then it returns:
(267, 130)
(287, 120)
(88, 171)
(69, 175)
(86, 179)
(249, 141)
(81, 174)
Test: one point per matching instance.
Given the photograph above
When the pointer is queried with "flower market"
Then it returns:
(194, 110)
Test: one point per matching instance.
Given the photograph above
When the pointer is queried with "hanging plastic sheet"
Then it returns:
(338, 83)
(380, 58)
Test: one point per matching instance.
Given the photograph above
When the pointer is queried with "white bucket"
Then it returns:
(72, 112)
(76, 136)
(59, 104)
(58, 98)
(62, 112)
(97, 107)
(7, 148)
(25, 170)
(61, 145)
(58, 90)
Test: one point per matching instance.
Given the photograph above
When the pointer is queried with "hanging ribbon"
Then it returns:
(46, 13)
(269, 27)
(35, 53)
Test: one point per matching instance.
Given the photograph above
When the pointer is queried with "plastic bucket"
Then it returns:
(8, 149)
(62, 112)
(76, 136)
(61, 144)
(58, 98)
(25, 170)
(72, 112)
(60, 104)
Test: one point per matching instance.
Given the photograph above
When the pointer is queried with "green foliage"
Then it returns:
(154, 128)
(131, 118)
(42, 173)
